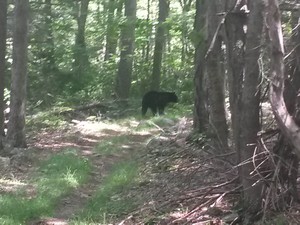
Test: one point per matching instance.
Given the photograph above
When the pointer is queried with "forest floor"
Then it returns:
(128, 171)
(177, 183)
(85, 137)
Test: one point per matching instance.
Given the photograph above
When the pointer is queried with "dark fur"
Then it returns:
(157, 101)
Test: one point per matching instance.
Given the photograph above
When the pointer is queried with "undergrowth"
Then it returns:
(55, 177)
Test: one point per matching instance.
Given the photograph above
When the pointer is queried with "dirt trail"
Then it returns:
(85, 137)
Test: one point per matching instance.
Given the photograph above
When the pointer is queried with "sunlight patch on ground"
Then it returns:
(89, 127)
(178, 215)
(142, 133)
(7, 185)
(109, 129)
(126, 146)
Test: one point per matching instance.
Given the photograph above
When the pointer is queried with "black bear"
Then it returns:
(156, 100)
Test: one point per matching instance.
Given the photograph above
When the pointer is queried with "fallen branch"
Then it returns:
(197, 194)
(91, 106)
(208, 203)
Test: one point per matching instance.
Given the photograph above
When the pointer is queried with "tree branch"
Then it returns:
(285, 121)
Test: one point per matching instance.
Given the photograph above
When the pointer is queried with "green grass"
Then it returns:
(56, 177)
(47, 119)
(111, 200)
(111, 145)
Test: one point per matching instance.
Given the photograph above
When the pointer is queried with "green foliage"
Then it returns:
(55, 177)
(47, 119)
(52, 74)
(103, 85)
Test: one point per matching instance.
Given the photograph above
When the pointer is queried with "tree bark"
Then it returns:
(235, 48)
(3, 25)
(123, 81)
(81, 60)
(186, 7)
(200, 112)
(16, 125)
(295, 40)
(215, 77)
(160, 39)
(250, 107)
(149, 31)
(111, 31)
(285, 121)
(49, 64)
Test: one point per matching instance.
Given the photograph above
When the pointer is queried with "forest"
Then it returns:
(149, 112)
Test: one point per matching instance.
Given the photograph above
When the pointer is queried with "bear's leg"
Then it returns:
(154, 110)
(161, 110)
(144, 110)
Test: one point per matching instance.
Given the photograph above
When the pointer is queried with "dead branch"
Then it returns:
(285, 121)
(91, 106)
(210, 202)
(212, 43)
(197, 193)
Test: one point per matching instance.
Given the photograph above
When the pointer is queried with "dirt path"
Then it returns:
(84, 138)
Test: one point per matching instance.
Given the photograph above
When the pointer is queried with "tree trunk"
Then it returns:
(215, 77)
(185, 6)
(123, 81)
(160, 39)
(16, 125)
(49, 64)
(288, 124)
(285, 121)
(200, 112)
(81, 61)
(292, 83)
(235, 48)
(149, 31)
(295, 40)
(250, 107)
(3, 25)
(111, 31)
